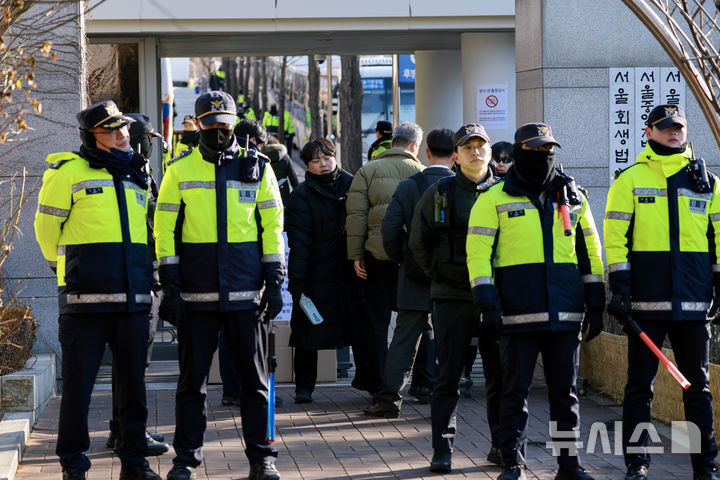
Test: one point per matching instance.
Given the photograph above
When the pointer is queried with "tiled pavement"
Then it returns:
(331, 439)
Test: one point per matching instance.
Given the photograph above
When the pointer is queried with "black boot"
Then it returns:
(154, 447)
(637, 472)
(181, 471)
(73, 474)
(441, 462)
(709, 473)
(264, 471)
(512, 472)
(138, 472)
(572, 473)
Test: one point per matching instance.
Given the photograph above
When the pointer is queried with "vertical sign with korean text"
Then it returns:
(633, 93)
(622, 103)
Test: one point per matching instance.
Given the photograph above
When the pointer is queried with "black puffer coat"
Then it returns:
(283, 169)
(318, 265)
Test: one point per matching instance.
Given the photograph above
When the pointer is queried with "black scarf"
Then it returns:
(664, 150)
(535, 168)
(191, 139)
(115, 166)
(328, 181)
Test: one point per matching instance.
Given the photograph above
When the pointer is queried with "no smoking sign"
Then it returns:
(492, 106)
(491, 101)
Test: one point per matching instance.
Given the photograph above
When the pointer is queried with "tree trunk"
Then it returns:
(314, 98)
(264, 84)
(281, 102)
(241, 74)
(256, 87)
(350, 104)
(247, 63)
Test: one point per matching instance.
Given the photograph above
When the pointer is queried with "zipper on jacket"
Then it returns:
(223, 256)
(674, 223)
(125, 230)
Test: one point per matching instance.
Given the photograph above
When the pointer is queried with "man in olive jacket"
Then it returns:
(370, 193)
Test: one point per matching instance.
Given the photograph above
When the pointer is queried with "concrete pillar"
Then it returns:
(489, 59)
(438, 91)
(150, 88)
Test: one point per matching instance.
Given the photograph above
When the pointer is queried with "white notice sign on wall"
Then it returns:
(492, 106)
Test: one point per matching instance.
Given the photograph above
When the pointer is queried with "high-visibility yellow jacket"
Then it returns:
(518, 254)
(250, 114)
(271, 122)
(218, 229)
(288, 124)
(662, 238)
(92, 228)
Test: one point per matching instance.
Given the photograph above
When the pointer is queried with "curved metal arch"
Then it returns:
(688, 31)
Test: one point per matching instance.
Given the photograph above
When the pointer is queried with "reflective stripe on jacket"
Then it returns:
(518, 254)
(662, 238)
(217, 235)
(95, 235)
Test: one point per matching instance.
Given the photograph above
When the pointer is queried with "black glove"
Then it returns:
(592, 324)
(172, 306)
(712, 315)
(620, 307)
(272, 300)
(491, 321)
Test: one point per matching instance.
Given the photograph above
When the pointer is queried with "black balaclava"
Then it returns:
(217, 139)
(664, 150)
(535, 167)
(145, 144)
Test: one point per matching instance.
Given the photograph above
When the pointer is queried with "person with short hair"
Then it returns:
(537, 277)
(282, 165)
(437, 241)
(413, 298)
(370, 193)
(91, 227)
(383, 139)
(318, 267)
(662, 241)
(502, 157)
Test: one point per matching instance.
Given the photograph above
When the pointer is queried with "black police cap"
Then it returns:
(535, 135)
(141, 125)
(468, 131)
(384, 127)
(215, 107)
(102, 115)
(663, 116)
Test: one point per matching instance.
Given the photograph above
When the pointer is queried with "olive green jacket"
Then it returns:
(369, 196)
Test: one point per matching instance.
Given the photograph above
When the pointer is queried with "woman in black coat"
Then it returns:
(318, 266)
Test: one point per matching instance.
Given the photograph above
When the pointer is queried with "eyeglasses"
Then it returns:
(502, 159)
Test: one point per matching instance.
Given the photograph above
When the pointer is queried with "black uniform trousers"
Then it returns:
(691, 346)
(561, 358)
(410, 327)
(380, 296)
(425, 366)
(83, 338)
(246, 336)
(455, 322)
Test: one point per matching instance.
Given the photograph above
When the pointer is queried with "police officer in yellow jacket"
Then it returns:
(218, 229)
(289, 131)
(91, 227)
(271, 121)
(662, 240)
(536, 277)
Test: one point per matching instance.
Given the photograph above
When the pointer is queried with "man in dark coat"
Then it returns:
(318, 267)
(282, 166)
(413, 293)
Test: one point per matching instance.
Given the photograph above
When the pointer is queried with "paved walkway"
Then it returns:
(331, 439)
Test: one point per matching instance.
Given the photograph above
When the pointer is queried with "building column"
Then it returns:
(438, 91)
(150, 88)
(488, 59)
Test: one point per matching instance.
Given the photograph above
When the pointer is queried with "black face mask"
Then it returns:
(190, 138)
(144, 143)
(661, 149)
(535, 167)
(217, 139)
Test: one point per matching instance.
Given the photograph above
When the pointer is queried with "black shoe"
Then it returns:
(138, 472)
(572, 473)
(154, 447)
(73, 474)
(230, 401)
(303, 396)
(513, 472)
(112, 438)
(441, 462)
(637, 472)
(381, 411)
(181, 471)
(264, 471)
(465, 387)
(495, 456)
(710, 473)
(158, 437)
(423, 395)
(278, 401)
